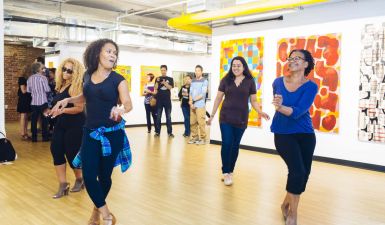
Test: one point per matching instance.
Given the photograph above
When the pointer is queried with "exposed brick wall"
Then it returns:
(15, 59)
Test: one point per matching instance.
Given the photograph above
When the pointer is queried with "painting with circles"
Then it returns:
(326, 51)
(372, 84)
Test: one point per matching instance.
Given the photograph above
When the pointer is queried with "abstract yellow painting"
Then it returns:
(125, 71)
(144, 70)
(252, 50)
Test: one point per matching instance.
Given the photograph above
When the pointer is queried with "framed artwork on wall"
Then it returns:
(125, 71)
(371, 121)
(144, 70)
(326, 51)
(252, 50)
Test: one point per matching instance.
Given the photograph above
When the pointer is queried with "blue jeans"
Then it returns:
(186, 115)
(231, 138)
(167, 108)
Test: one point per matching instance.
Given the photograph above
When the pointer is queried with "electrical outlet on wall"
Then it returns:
(6, 106)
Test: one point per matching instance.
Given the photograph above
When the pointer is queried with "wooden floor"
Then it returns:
(172, 183)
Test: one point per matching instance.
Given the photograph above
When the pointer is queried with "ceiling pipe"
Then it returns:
(154, 9)
(189, 22)
(39, 21)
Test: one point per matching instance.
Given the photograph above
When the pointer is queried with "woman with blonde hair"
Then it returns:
(67, 134)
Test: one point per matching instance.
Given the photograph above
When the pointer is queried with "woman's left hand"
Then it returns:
(264, 115)
(116, 113)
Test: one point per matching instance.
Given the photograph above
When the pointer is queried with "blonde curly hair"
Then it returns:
(76, 80)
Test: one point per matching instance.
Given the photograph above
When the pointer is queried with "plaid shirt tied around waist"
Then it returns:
(124, 158)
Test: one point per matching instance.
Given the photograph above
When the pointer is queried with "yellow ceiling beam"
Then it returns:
(188, 22)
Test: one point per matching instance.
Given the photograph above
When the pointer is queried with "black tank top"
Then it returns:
(100, 98)
(68, 120)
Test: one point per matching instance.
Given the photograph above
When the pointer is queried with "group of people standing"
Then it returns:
(89, 131)
(35, 94)
(192, 94)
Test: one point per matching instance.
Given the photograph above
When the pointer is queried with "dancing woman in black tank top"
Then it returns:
(102, 89)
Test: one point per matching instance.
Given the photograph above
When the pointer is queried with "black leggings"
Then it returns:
(65, 143)
(97, 169)
(297, 151)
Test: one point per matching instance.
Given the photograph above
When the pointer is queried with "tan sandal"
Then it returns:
(110, 221)
(95, 217)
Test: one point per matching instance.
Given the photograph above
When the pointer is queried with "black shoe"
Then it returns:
(171, 135)
(156, 135)
(34, 140)
(45, 139)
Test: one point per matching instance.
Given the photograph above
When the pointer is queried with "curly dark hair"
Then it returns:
(92, 53)
(308, 58)
(230, 77)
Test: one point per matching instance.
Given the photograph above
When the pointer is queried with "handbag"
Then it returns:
(7, 152)
(153, 102)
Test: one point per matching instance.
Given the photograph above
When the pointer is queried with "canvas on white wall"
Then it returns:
(372, 84)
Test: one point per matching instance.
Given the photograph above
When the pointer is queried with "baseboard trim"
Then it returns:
(145, 125)
(341, 162)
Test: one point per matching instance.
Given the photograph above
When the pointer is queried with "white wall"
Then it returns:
(346, 18)
(2, 104)
(136, 58)
(52, 58)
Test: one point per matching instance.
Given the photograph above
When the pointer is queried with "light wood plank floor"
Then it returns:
(173, 183)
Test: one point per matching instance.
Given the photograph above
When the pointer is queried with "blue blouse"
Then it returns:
(300, 101)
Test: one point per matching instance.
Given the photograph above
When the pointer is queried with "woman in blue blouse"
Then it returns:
(294, 136)
(104, 142)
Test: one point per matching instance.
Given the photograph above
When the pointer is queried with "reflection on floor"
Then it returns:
(172, 182)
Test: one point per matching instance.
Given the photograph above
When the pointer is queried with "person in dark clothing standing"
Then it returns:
(24, 102)
(163, 85)
(184, 95)
(238, 88)
(292, 126)
(104, 141)
(149, 94)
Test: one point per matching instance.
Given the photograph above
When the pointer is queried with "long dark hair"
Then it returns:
(308, 58)
(92, 54)
(230, 77)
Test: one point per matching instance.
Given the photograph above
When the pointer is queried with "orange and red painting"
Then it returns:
(326, 50)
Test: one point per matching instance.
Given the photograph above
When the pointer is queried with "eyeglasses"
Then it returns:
(65, 70)
(296, 59)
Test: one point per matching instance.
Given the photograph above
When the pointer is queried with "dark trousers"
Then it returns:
(37, 111)
(297, 151)
(150, 111)
(65, 143)
(97, 169)
(166, 105)
(186, 115)
(231, 138)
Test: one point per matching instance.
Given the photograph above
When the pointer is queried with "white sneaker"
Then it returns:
(227, 179)
(200, 142)
(192, 141)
